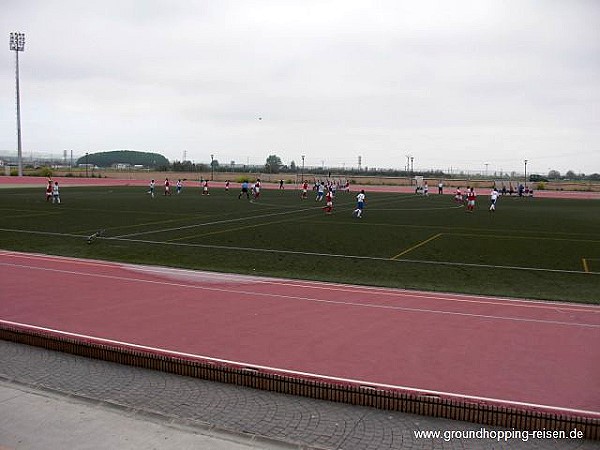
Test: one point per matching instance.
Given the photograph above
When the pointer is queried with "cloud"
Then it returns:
(497, 80)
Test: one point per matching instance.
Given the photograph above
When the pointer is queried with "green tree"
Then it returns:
(273, 164)
(554, 174)
(293, 166)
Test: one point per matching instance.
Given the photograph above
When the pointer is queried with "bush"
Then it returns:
(242, 179)
(45, 172)
(541, 186)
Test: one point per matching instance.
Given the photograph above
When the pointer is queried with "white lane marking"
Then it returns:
(308, 299)
(340, 287)
(241, 364)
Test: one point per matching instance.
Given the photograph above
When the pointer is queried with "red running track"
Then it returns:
(74, 181)
(530, 354)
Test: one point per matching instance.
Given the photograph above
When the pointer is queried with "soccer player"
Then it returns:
(179, 186)
(244, 191)
(167, 187)
(440, 187)
(280, 184)
(471, 196)
(55, 193)
(426, 189)
(320, 192)
(205, 188)
(304, 195)
(493, 199)
(49, 190)
(226, 185)
(151, 190)
(256, 189)
(360, 204)
(458, 197)
(329, 202)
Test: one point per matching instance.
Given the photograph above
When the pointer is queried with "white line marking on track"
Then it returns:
(414, 390)
(338, 287)
(308, 299)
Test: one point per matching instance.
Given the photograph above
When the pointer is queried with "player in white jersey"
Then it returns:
(360, 204)
(493, 200)
(55, 193)
(151, 188)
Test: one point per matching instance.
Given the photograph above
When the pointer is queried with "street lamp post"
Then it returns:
(212, 167)
(86, 164)
(17, 44)
(302, 177)
(525, 173)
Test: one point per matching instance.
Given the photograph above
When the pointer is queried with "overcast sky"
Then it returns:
(456, 84)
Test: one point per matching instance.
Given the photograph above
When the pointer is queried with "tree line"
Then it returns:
(273, 164)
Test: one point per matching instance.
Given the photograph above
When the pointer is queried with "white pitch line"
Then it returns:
(415, 209)
(337, 287)
(44, 233)
(296, 252)
(216, 222)
(247, 365)
(294, 297)
(337, 255)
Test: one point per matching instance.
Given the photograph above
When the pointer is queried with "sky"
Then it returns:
(461, 85)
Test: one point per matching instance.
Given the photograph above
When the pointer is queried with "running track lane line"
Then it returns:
(306, 284)
(250, 366)
(308, 299)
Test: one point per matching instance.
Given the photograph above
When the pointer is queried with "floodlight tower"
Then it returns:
(525, 173)
(17, 44)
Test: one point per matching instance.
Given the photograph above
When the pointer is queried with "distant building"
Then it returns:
(122, 166)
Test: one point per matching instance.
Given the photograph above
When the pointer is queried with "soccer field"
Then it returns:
(530, 247)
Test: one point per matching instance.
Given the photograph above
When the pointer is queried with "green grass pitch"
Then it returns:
(529, 248)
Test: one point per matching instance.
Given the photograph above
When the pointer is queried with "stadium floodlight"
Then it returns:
(302, 169)
(17, 44)
(212, 167)
(525, 173)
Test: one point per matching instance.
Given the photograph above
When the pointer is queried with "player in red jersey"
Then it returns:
(471, 196)
(458, 197)
(49, 190)
(329, 202)
(304, 194)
